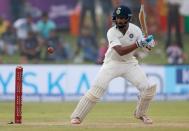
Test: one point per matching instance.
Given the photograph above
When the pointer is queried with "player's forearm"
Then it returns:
(123, 50)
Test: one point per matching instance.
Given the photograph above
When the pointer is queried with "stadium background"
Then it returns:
(52, 82)
(77, 58)
(69, 72)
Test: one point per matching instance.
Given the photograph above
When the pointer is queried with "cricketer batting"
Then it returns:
(124, 38)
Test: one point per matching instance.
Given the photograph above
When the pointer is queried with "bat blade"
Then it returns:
(142, 19)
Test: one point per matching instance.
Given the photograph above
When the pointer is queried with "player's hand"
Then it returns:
(150, 42)
(141, 42)
(147, 42)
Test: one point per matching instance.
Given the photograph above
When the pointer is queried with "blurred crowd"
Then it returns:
(30, 38)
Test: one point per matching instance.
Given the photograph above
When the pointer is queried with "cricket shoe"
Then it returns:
(145, 119)
(75, 121)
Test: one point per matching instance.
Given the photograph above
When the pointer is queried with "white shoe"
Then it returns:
(75, 121)
(146, 119)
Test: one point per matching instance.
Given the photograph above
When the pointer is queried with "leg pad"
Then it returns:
(144, 101)
(87, 102)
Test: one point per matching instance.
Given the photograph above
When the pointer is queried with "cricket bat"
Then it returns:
(142, 19)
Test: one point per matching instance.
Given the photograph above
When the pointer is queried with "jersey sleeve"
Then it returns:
(113, 38)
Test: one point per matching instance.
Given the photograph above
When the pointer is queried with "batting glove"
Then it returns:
(146, 42)
(150, 42)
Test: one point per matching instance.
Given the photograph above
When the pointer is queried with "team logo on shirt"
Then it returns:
(131, 36)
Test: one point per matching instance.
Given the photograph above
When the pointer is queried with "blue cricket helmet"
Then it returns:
(122, 11)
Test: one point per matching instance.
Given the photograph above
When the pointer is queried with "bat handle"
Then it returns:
(145, 35)
(148, 48)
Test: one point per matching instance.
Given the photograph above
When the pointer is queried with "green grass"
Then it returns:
(168, 116)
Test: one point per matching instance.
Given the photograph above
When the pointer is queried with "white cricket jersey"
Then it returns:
(115, 37)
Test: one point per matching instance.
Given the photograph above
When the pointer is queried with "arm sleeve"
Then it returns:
(113, 39)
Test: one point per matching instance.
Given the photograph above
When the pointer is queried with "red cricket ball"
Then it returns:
(50, 50)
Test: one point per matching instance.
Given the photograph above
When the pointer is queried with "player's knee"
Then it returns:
(95, 93)
(148, 93)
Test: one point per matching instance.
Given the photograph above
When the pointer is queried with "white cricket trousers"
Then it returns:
(131, 71)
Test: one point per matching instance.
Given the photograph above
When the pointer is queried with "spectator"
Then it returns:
(174, 54)
(3, 25)
(30, 49)
(68, 50)
(87, 46)
(184, 10)
(88, 5)
(173, 18)
(102, 50)
(45, 26)
(10, 41)
(23, 26)
(54, 41)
